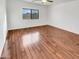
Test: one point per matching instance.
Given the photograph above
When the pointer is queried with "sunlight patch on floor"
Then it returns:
(30, 38)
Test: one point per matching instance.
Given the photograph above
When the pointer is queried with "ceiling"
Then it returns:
(63, 1)
(56, 1)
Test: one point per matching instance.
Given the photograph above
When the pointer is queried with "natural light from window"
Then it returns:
(30, 38)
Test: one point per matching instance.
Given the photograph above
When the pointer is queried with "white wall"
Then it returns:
(15, 20)
(65, 16)
(3, 26)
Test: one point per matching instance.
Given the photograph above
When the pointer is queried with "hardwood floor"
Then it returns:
(44, 42)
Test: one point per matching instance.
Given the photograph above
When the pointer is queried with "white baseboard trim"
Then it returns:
(74, 32)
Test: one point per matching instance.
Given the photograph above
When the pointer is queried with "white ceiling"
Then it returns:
(63, 1)
(56, 1)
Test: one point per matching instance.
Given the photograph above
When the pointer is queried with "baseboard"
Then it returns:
(27, 27)
(64, 30)
(5, 36)
(48, 25)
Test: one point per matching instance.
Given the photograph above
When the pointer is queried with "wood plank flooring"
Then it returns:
(43, 42)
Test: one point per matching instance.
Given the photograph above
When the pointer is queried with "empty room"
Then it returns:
(39, 29)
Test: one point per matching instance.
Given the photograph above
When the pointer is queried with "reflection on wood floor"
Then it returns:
(43, 42)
